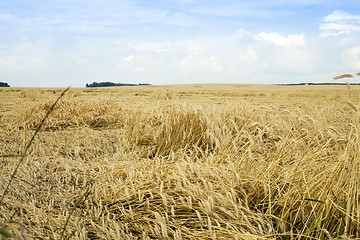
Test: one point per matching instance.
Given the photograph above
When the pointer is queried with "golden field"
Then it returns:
(224, 161)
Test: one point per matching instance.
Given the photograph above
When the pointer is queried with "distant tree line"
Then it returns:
(111, 84)
(295, 84)
(4, 84)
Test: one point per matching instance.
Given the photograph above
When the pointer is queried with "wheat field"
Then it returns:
(182, 162)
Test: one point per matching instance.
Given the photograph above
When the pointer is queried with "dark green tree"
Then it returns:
(111, 84)
(4, 84)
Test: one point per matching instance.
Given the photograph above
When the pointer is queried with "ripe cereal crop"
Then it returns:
(181, 162)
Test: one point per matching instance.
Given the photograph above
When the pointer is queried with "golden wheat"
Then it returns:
(346, 75)
(206, 163)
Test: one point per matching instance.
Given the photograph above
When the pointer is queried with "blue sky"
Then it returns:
(60, 43)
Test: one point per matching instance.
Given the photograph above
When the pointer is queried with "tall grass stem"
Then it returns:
(29, 144)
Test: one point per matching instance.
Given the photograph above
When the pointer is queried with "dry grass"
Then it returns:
(184, 162)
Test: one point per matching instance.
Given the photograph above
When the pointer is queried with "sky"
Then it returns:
(60, 43)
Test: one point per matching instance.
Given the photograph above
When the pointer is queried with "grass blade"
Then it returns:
(7, 234)
(313, 200)
(77, 203)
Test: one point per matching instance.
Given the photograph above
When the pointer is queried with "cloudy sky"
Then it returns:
(57, 43)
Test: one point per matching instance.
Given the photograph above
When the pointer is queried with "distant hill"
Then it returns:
(111, 84)
(4, 84)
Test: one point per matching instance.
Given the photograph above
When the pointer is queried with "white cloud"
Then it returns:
(283, 41)
(147, 46)
(181, 19)
(126, 63)
(248, 56)
(198, 63)
(6, 61)
(130, 58)
(6, 17)
(215, 65)
(342, 16)
(296, 61)
(338, 23)
(351, 58)
(242, 33)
